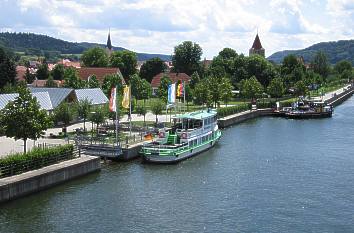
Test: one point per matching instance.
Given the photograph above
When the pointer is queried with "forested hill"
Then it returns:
(336, 51)
(34, 44)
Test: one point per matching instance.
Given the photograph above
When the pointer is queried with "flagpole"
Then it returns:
(130, 110)
(184, 96)
(117, 141)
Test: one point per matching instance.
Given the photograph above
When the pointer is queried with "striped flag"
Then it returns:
(180, 90)
(172, 93)
(126, 97)
(113, 100)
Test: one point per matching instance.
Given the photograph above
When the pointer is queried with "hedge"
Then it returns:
(226, 111)
(35, 159)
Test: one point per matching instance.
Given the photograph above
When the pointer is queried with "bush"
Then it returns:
(261, 105)
(222, 112)
(37, 158)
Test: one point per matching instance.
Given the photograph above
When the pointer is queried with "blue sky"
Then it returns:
(156, 26)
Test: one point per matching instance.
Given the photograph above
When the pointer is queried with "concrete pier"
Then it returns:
(33, 181)
(243, 116)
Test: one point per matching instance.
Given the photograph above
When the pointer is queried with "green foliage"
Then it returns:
(251, 88)
(186, 57)
(126, 61)
(7, 69)
(36, 158)
(72, 80)
(163, 88)
(83, 108)
(93, 82)
(29, 77)
(225, 89)
(23, 119)
(58, 72)
(227, 54)
(110, 81)
(64, 113)
(151, 68)
(226, 111)
(342, 66)
(42, 72)
(157, 106)
(97, 115)
(194, 79)
(276, 88)
(301, 88)
(320, 64)
(50, 82)
(263, 70)
(201, 93)
(95, 57)
(141, 110)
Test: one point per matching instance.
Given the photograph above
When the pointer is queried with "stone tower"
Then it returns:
(109, 44)
(257, 47)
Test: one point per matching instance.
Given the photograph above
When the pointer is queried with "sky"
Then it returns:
(156, 26)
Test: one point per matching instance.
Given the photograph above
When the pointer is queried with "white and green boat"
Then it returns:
(192, 133)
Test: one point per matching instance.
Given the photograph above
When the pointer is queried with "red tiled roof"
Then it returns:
(21, 71)
(99, 72)
(257, 43)
(155, 82)
(41, 83)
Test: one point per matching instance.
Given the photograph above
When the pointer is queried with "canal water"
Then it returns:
(265, 175)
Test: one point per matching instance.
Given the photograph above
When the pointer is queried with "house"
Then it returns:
(20, 73)
(68, 63)
(94, 95)
(42, 97)
(100, 72)
(175, 77)
(57, 95)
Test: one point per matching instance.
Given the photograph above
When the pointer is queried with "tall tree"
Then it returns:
(58, 72)
(151, 68)
(72, 80)
(201, 93)
(194, 79)
(95, 57)
(276, 88)
(186, 57)
(126, 61)
(225, 88)
(29, 77)
(97, 116)
(7, 69)
(43, 72)
(342, 66)
(93, 82)
(157, 107)
(163, 88)
(320, 64)
(112, 80)
(23, 118)
(301, 88)
(251, 88)
(83, 108)
(64, 113)
(142, 110)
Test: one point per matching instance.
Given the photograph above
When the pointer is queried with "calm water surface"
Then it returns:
(265, 175)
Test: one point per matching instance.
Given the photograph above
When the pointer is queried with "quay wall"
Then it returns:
(340, 98)
(33, 181)
(131, 152)
(243, 116)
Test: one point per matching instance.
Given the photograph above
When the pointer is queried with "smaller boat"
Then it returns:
(309, 109)
(191, 134)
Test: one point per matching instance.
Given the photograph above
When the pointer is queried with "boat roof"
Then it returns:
(197, 115)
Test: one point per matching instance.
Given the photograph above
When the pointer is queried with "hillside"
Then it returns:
(42, 45)
(336, 51)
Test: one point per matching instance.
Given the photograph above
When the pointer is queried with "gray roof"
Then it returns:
(57, 95)
(42, 98)
(94, 95)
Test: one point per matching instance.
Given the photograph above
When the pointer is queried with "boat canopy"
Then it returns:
(197, 115)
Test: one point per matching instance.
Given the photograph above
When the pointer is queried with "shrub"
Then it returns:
(222, 112)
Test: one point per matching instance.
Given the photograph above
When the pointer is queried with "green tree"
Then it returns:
(188, 94)
(42, 72)
(64, 113)
(186, 57)
(145, 91)
(97, 115)
(7, 69)
(83, 108)
(58, 72)
(194, 79)
(276, 88)
(225, 88)
(263, 70)
(135, 83)
(151, 68)
(227, 53)
(320, 64)
(251, 88)
(126, 61)
(95, 57)
(342, 66)
(157, 106)
(29, 77)
(141, 110)
(93, 82)
(110, 81)
(163, 88)
(71, 79)
(301, 88)
(50, 82)
(201, 93)
(23, 119)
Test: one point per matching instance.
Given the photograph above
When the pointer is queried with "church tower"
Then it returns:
(257, 47)
(109, 44)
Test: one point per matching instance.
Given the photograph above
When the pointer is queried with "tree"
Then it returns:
(194, 79)
(157, 107)
(163, 88)
(42, 72)
(58, 72)
(83, 108)
(50, 82)
(97, 116)
(151, 68)
(95, 57)
(301, 88)
(142, 110)
(251, 88)
(213, 84)
(201, 93)
(320, 64)
(276, 88)
(227, 53)
(23, 118)
(7, 69)
(71, 79)
(93, 82)
(63, 113)
(126, 61)
(110, 81)
(145, 91)
(186, 57)
(188, 94)
(135, 83)
(259, 67)
(342, 66)
(225, 88)
(29, 77)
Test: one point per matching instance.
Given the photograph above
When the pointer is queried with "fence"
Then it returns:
(24, 166)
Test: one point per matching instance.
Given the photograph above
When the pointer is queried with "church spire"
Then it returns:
(257, 47)
(109, 43)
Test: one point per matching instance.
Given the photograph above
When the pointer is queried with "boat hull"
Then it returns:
(308, 115)
(151, 158)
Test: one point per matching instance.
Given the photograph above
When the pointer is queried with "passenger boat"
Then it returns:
(191, 134)
(309, 109)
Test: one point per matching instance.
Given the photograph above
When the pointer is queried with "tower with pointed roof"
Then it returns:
(257, 47)
(109, 44)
